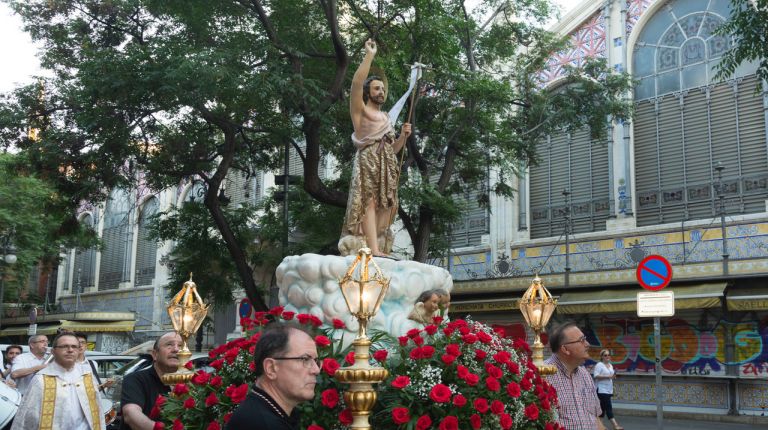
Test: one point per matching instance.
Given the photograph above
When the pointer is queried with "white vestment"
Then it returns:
(72, 407)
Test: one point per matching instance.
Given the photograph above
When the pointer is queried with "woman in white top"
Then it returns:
(604, 376)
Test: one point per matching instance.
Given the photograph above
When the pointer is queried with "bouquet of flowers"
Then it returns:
(462, 375)
(449, 375)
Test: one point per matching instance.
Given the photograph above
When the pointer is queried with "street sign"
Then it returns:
(32, 330)
(654, 272)
(656, 304)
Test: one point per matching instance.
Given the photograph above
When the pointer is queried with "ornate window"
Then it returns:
(117, 238)
(146, 249)
(685, 124)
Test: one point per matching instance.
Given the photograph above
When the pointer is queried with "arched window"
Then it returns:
(572, 162)
(85, 262)
(117, 238)
(686, 123)
(146, 249)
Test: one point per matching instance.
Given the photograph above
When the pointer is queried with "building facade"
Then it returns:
(686, 179)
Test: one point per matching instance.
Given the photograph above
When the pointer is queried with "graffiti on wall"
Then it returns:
(686, 349)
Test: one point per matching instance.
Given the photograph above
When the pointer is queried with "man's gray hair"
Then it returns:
(34, 337)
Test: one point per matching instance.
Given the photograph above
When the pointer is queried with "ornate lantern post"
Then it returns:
(537, 306)
(187, 311)
(363, 297)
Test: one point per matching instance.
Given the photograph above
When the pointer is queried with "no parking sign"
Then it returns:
(654, 272)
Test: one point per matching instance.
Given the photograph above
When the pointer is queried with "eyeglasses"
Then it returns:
(582, 339)
(67, 346)
(306, 360)
(41, 341)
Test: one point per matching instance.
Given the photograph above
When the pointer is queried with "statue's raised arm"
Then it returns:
(372, 201)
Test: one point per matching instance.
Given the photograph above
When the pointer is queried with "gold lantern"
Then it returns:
(537, 306)
(187, 311)
(363, 297)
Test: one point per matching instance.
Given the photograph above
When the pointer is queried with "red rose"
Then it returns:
(484, 337)
(401, 382)
(322, 341)
(214, 425)
(211, 400)
(513, 390)
(227, 417)
(288, 315)
(449, 423)
(493, 370)
(492, 383)
(481, 405)
(453, 349)
(189, 403)
(513, 367)
(415, 353)
(480, 355)
(231, 355)
(403, 340)
(532, 412)
(459, 400)
(189, 365)
(462, 371)
(315, 321)
(380, 355)
(201, 377)
(427, 351)
(345, 417)
(158, 426)
(350, 358)
(216, 381)
(314, 427)
(464, 330)
(154, 413)
(505, 421)
(413, 332)
(303, 318)
(180, 389)
(440, 393)
(469, 339)
(400, 416)
(497, 407)
(252, 366)
(525, 384)
(475, 421)
(160, 400)
(472, 379)
(338, 324)
(424, 422)
(502, 357)
(177, 425)
(448, 359)
(276, 311)
(430, 329)
(448, 331)
(330, 366)
(330, 398)
(437, 320)
(216, 364)
(545, 404)
(418, 340)
(549, 426)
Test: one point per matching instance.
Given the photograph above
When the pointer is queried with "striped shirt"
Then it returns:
(578, 405)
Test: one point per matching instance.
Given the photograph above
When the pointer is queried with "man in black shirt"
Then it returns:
(140, 389)
(286, 375)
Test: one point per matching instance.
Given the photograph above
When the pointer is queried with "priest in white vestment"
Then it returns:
(61, 396)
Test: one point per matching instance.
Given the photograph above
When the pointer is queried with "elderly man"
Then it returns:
(578, 405)
(286, 375)
(26, 365)
(140, 389)
(61, 396)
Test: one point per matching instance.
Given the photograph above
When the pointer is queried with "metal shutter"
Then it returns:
(146, 249)
(754, 148)
(646, 163)
(469, 230)
(698, 162)
(84, 264)
(117, 238)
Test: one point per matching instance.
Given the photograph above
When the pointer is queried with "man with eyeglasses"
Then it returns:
(26, 365)
(578, 405)
(60, 396)
(286, 375)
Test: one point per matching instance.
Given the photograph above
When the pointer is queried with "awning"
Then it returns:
(83, 326)
(624, 299)
(747, 299)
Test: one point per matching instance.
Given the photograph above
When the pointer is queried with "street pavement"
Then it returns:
(649, 423)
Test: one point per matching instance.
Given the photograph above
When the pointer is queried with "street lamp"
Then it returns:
(537, 306)
(363, 297)
(9, 257)
(187, 311)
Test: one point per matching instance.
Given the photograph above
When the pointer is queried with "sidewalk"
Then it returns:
(649, 423)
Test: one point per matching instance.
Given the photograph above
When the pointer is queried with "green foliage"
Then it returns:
(748, 25)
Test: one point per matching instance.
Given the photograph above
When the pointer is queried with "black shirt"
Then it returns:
(259, 411)
(142, 388)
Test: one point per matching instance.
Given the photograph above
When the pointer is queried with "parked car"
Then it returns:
(107, 365)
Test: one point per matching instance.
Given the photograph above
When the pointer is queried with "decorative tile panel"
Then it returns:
(588, 41)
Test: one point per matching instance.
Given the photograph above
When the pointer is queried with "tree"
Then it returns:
(748, 24)
(192, 87)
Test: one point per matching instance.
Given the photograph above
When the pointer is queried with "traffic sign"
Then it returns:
(654, 272)
(656, 304)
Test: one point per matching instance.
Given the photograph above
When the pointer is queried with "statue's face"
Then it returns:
(377, 93)
(432, 304)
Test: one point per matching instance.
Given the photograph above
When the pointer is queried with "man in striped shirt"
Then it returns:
(578, 405)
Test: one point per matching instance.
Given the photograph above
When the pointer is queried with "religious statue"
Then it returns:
(427, 306)
(372, 203)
